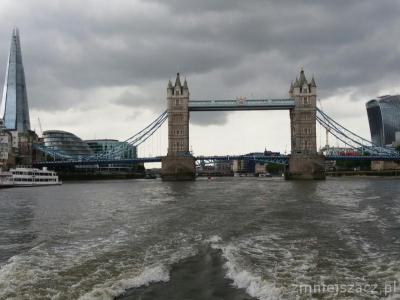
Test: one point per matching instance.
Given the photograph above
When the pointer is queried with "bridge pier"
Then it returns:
(305, 167)
(175, 168)
(304, 161)
(179, 164)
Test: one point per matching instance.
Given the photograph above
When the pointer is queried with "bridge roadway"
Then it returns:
(281, 159)
(241, 104)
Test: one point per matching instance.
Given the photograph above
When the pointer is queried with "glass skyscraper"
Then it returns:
(384, 119)
(14, 106)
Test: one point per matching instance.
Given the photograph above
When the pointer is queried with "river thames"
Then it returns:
(228, 238)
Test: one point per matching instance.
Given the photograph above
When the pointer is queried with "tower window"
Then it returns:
(307, 116)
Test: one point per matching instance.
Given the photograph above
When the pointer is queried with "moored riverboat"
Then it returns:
(26, 177)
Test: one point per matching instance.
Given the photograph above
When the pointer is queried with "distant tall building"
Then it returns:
(384, 119)
(14, 106)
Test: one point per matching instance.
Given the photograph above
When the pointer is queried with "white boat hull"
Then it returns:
(33, 184)
(28, 177)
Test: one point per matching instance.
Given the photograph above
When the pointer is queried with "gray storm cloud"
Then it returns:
(226, 48)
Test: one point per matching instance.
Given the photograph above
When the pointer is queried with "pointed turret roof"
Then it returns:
(291, 87)
(313, 82)
(296, 82)
(178, 80)
(303, 78)
(185, 84)
(169, 85)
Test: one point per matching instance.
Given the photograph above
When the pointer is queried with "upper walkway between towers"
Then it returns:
(241, 104)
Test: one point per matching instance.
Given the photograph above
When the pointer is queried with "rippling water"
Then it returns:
(230, 238)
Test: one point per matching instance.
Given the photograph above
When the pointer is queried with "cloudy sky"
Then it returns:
(99, 68)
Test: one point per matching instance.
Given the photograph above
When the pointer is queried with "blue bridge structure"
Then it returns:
(304, 162)
(240, 104)
(279, 159)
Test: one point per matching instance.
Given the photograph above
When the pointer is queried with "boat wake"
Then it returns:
(113, 289)
(254, 285)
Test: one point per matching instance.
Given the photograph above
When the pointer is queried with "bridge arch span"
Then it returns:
(304, 162)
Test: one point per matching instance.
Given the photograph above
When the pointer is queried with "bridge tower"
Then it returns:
(304, 161)
(179, 164)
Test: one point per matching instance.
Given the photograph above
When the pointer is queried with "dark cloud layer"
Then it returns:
(226, 48)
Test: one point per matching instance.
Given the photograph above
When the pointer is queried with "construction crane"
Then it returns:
(328, 129)
(40, 127)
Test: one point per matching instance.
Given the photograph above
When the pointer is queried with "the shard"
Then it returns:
(14, 106)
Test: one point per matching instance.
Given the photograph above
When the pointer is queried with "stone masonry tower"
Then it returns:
(303, 117)
(304, 162)
(178, 117)
(178, 164)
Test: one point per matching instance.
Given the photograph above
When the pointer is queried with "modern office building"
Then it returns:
(112, 148)
(384, 119)
(66, 143)
(14, 106)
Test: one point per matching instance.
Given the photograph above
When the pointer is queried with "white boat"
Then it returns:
(264, 175)
(24, 177)
(5, 179)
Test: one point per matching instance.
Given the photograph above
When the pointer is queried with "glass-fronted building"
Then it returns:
(112, 148)
(384, 119)
(14, 106)
(66, 143)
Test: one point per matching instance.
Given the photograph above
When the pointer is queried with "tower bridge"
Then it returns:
(179, 164)
(303, 163)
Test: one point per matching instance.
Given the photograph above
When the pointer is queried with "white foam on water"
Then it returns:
(158, 271)
(112, 289)
(254, 285)
(20, 269)
(396, 211)
(38, 265)
(213, 239)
